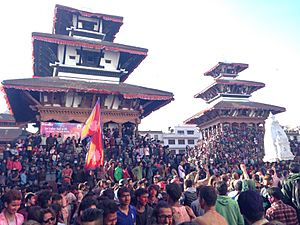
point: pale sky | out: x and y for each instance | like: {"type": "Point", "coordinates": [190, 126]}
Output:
{"type": "Point", "coordinates": [185, 39]}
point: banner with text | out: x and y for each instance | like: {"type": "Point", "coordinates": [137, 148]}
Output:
{"type": "Point", "coordinates": [65, 129]}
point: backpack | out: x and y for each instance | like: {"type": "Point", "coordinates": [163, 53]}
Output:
{"type": "Point", "coordinates": [296, 193]}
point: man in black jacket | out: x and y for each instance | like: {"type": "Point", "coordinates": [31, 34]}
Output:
{"type": "Point", "coordinates": [143, 210]}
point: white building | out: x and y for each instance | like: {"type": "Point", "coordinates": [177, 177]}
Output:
{"type": "Point", "coordinates": [155, 135]}
{"type": "Point", "coordinates": [178, 138]}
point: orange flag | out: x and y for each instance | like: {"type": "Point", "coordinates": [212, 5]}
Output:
{"type": "Point", "coordinates": [92, 134]}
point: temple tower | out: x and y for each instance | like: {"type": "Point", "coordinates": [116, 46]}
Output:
{"type": "Point", "coordinates": [74, 66]}
{"type": "Point", "coordinates": [230, 110]}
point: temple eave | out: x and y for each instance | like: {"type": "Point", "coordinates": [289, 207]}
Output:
{"type": "Point", "coordinates": [62, 114]}
{"type": "Point", "coordinates": [235, 111]}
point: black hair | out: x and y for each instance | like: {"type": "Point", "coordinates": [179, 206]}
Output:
{"type": "Point", "coordinates": [251, 205]}
{"type": "Point", "coordinates": [275, 192]}
{"type": "Point", "coordinates": [47, 210]}
{"type": "Point", "coordinates": [209, 195]}
{"type": "Point", "coordinates": [57, 209]}
{"type": "Point", "coordinates": [11, 195]}
{"type": "Point", "coordinates": [109, 193]}
{"type": "Point", "coordinates": [62, 189]}
{"type": "Point", "coordinates": [92, 214]}
{"type": "Point", "coordinates": [153, 186]}
{"type": "Point", "coordinates": [174, 191]}
{"type": "Point", "coordinates": [56, 197]}
{"type": "Point", "coordinates": [28, 196]}
{"type": "Point", "coordinates": [86, 203]}
{"type": "Point", "coordinates": [34, 213]}
{"type": "Point", "coordinates": [141, 191]}
{"type": "Point", "coordinates": [188, 183]}
{"type": "Point", "coordinates": [294, 167]}
{"type": "Point", "coordinates": [238, 185]}
{"type": "Point", "coordinates": [222, 187]}
{"type": "Point", "coordinates": [122, 190]}
{"type": "Point", "coordinates": [256, 177]}
{"type": "Point", "coordinates": [161, 204]}
{"type": "Point", "coordinates": [108, 206]}
{"type": "Point", "coordinates": [43, 197]}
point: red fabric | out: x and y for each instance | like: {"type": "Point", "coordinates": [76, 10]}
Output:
{"type": "Point", "coordinates": [283, 213]}
{"type": "Point", "coordinates": [92, 130]}
{"type": "Point", "coordinates": [9, 164]}
{"type": "Point", "coordinates": [125, 174]}
{"type": "Point", "coordinates": [17, 165]}
{"type": "Point", "coordinates": [67, 174]}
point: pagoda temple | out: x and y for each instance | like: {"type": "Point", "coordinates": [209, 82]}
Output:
{"type": "Point", "coordinates": [229, 107]}
{"type": "Point", "coordinates": [74, 66]}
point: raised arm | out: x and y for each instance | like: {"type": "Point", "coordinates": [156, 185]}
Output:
{"type": "Point", "coordinates": [244, 170]}
{"type": "Point", "coordinates": [206, 179]}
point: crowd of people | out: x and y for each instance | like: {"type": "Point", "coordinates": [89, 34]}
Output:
{"type": "Point", "coordinates": [221, 180]}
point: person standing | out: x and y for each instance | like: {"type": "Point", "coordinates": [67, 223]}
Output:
{"type": "Point", "coordinates": [180, 213]}
{"type": "Point", "coordinates": [138, 171]}
{"type": "Point", "coordinates": [67, 174]}
{"type": "Point", "coordinates": [30, 200]}
{"type": "Point", "coordinates": [12, 201]}
{"type": "Point", "coordinates": [181, 171]}
{"type": "Point", "coordinates": [92, 216]}
{"type": "Point", "coordinates": [207, 201]}
{"type": "Point", "coordinates": [126, 215]}
{"type": "Point", "coordinates": [163, 214]}
{"type": "Point", "coordinates": [143, 210]}
{"type": "Point", "coordinates": [278, 210]}
{"type": "Point", "coordinates": [291, 186]}
{"type": "Point", "coordinates": [118, 173]}
{"type": "Point", "coordinates": [228, 207]}
{"type": "Point", "coordinates": [251, 207]}
{"type": "Point", "coordinates": [110, 209]}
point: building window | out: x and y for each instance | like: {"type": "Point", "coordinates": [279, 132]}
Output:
{"type": "Point", "coordinates": [108, 61]}
{"type": "Point", "coordinates": [156, 137]}
{"type": "Point", "coordinates": [89, 58]}
{"type": "Point", "coordinates": [181, 142]}
{"type": "Point", "coordinates": [190, 132]}
{"type": "Point", "coordinates": [88, 25]}
{"type": "Point", "coordinates": [180, 132]}
{"type": "Point", "coordinates": [171, 142]}
{"type": "Point", "coordinates": [191, 142]}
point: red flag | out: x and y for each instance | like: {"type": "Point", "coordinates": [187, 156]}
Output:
{"type": "Point", "coordinates": [92, 133]}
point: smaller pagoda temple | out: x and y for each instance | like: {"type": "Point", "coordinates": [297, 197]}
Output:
{"type": "Point", "coordinates": [9, 130]}
{"type": "Point", "coordinates": [229, 104]}
{"type": "Point", "coordinates": [74, 66]}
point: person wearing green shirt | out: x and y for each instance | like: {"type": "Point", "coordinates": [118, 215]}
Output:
{"type": "Point", "coordinates": [118, 173]}
{"type": "Point", "coordinates": [138, 171]}
{"type": "Point", "coordinates": [228, 207]}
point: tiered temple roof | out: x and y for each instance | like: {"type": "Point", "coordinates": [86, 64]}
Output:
{"type": "Point", "coordinates": [63, 21]}
{"type": "Point", "coordinates": [75, 65]}
{"type": "Point", "coordinates": [228, 98]}
{"type": "Point", "coordinates": [45, 47]}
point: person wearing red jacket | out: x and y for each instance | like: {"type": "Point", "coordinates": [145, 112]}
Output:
{"type": "Point", "coordinates": [17, 164]}
{"type": "Point", "coordinates": [9, 164]}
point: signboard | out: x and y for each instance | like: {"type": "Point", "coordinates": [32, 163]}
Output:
{"type": "Point", "coordinates": [65, 129]}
